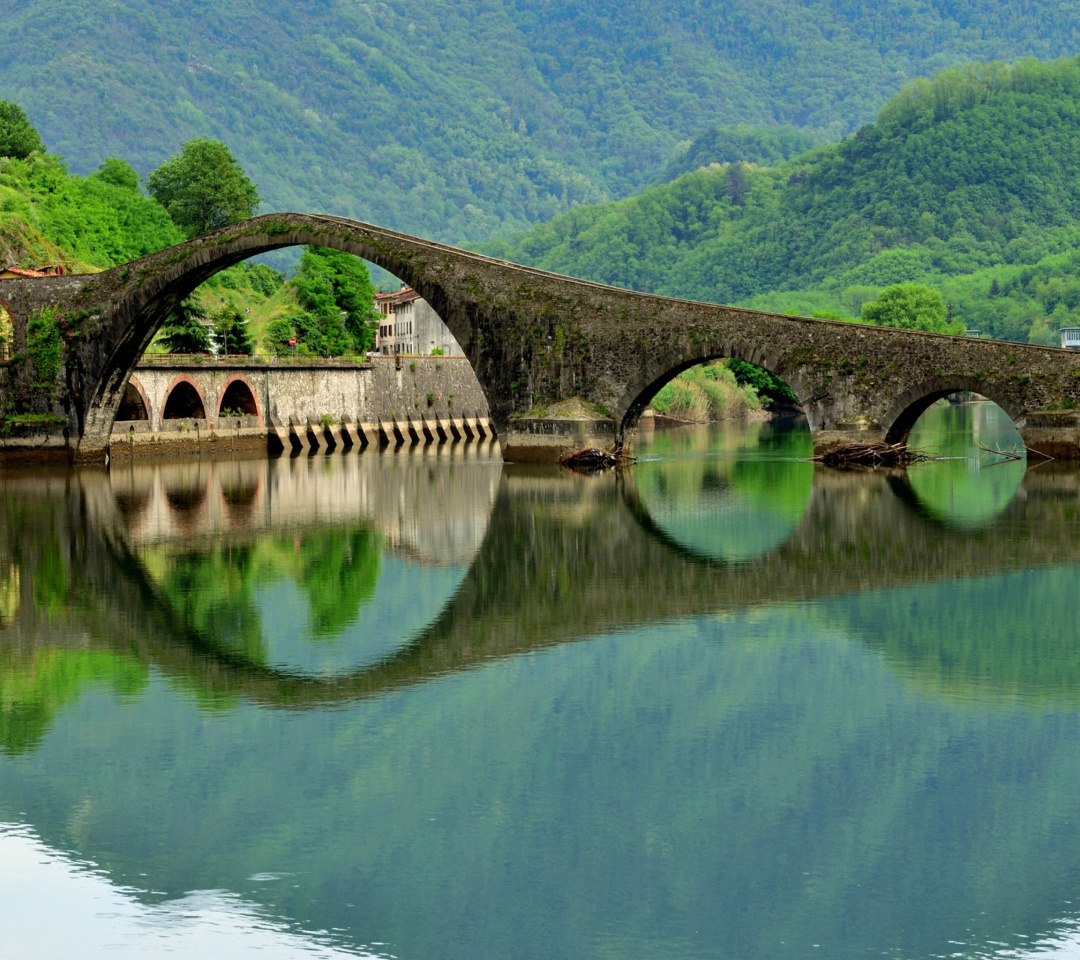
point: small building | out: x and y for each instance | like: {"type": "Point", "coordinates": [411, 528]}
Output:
{"type": "Point", "coordinates": [407, 324]}
{"type": "Point", "coordinates": [11, 273]}
{"type": "Point", "coordinates": [1070, 338]}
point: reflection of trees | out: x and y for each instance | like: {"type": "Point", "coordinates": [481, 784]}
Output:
{"type": "Point", "coordinates": [1008, 637]}
{"type": "Point", "coordinates": [563, 559]}
{"type": "Point", "coordinates": [211, 587]}
{"type": "Point", "coordinates": [726, 507]}
{"type": "Point", "coordinates": [35, 684]}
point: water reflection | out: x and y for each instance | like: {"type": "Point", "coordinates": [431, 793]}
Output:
{"type": "Point", "coordinates": [567, 721]}
{"type": "Point", "coordinates": [727, 495]}
{"type": "Point", "coordinates": [972, 486]}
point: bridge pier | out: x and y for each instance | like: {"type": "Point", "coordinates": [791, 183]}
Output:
{"type": "Point", "coordinates": [1052, 433]}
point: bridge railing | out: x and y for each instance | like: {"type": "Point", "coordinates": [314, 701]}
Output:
{"type": "Point", "coordinates": [242, 360]}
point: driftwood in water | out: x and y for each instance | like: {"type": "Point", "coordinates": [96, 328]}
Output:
{"type": "Point", "coordinates": [870, 454]}
{"type": "Point", "coordinates": [592, 458]}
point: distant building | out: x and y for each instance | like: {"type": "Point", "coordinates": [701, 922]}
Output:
{"type": "Point", "coordinates": [407, 324]}
{"type": "Point", "coordinates": [1070, 337]}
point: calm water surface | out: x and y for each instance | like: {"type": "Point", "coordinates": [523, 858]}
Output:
{"type": "Point", "coordinates": [723, 704]}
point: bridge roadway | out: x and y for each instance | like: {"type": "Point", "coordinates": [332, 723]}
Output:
{"type": "Point", "coordinates": [560, 559]}
{"type": "Point", "coordinates": [535, 339]}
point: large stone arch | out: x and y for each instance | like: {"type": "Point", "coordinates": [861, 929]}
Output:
{"type": "Point", "coordinates": [908, 406]}
{"type": "Point", "coordinates": [146, 291]}
{"type": "Point", "coordinates": [656, 373]}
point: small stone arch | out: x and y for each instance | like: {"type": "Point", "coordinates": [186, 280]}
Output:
{"type": "Point", "coordinates": [913, 402]}
{"type": "Point", "coordinates": [643, 387]}
{"type": "Point", "coordinates": [237, 393]}
{"type": "Point", "coordinates": [184, 400]}
{"type": "Point", "coordinates": [133, 405]}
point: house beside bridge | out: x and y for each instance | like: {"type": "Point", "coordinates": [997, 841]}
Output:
{"type": "Point", "coordinates": [408, 324]}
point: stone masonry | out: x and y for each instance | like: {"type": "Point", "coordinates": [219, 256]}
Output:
{"type": "Point", "coordinates": [534, 339]}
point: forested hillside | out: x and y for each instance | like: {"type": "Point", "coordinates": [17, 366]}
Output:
{"type": "Point", "coordinates": [969, 183]}
{"type": "Point", "coordinates": [464, 120]}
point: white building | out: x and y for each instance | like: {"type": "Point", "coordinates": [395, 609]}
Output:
{"type": "Point", "coordinates": [407, 324]}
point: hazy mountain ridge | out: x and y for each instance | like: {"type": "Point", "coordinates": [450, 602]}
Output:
{"type": "Point", "coordinates": [464, 121]}
{"type": "Point", "coordinates": [971, 179]}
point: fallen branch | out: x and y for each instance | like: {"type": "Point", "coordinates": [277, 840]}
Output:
{"type": "Point", "coordinates": [870, 454]}
{"type": "Point", "coordinates": [1006, 454]}
{"type": "Point", "coordinates": [592, 458]}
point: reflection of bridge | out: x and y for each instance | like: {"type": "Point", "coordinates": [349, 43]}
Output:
{"type": "Point", "coordinates": [428, 513]}
{"type": "Point", "coordinates": [535, 338]}
{"type": "Point", "coordinates": [562, 559]}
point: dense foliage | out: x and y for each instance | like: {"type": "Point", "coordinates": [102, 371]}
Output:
{"type": "Point", "coordinates": [909, 306]}
{"type": "Point", "coordinates": [186, 330]}
{"type": "Point", "coordinates": [706, 392]}
{"type": "Point", "coordinates": [741, 143]}
{"type": "Point", "coordinates": [461, 120]}
{"type": "Point", "coordinates": [969, 184]}
{"type": "Point", "coordinates": [18, 138]}
{"type": "Point", "coordinates": [203, 188]}
{"type": "Point", "coordinates": [48, 215]}
{"type": "Point", "coordinates": [327, 307]}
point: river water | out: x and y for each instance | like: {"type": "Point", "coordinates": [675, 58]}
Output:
{"type": "Point", "coordinates": [721, 704]}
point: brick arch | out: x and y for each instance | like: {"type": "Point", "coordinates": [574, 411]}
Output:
{"type": "Point", "coordinates": [185, 379]}
{"type": "Point", "coordinates": [229, 381]}
{"type": "Point", "coordinates": [133, 382]}
{"type": "Point", "coordinates": [913, 402]}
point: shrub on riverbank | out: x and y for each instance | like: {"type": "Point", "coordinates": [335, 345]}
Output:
{"type": "Point", "coordinates": [706, 392]}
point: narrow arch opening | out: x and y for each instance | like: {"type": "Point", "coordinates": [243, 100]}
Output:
{"type": "Point", "coordinates": [238, 400]}
{"type": "Point", "coordinates": [980, 460]}
{"type": "Point", "coordinates": [132, 406]}
{"type": "Point", "coordinates": [184, 403]}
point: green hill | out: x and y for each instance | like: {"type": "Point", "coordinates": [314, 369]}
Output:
{"type": "Point", "coordinates": [969, 183]}
{"type": "Point", "coordinates": [463, 120]}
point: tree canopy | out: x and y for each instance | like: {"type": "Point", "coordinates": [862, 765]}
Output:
{"type": "Point", "coordinates": [965, 179]}
{"type": "Point", "coordinates": [203, 188]}
{"type": "Point", "coordinates": [909, 306]}
{"type": "Point", "coordinates": [465, 121]}
{"type": "Point", "coordinates": [335, 290]}
{"type": "Point", "coordinates": [186, 331]}
{"type": "Point", "coordinates": [18, 138]}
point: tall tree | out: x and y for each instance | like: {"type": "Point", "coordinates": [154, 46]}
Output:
{"type": "Point", "coordinates": [204, 188]}
{"type": "Point", "coordinates": [909, 306]}
{"type": "Point", "coordinates": [18, 138]}
{"type": "Point", "coordinates": [231, 332]}
{"type": "Point", "coordinates": [335, 288]}
{"type": "Point", "coordinates": [185, 331]}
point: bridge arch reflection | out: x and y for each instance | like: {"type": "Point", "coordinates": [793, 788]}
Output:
{"type": "Point", "coordinates": [735, 505]}
{"type": "Point", "coordinates": [539, 559]}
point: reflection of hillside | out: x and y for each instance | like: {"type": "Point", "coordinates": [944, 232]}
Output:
{"type": "Point", "coordinates": [564, 558]}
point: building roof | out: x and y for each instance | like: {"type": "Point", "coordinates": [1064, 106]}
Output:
{"type": "Point", "coordinates": [51, 271]}
{"type": "Point", "coordinates": [404, 295]}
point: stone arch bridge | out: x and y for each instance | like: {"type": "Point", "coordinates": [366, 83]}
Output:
{"type": "Point", "coordinates": [533, 339]}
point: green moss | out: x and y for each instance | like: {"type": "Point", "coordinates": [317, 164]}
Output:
{"type": "Point", "coordinates": [44, 346]}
